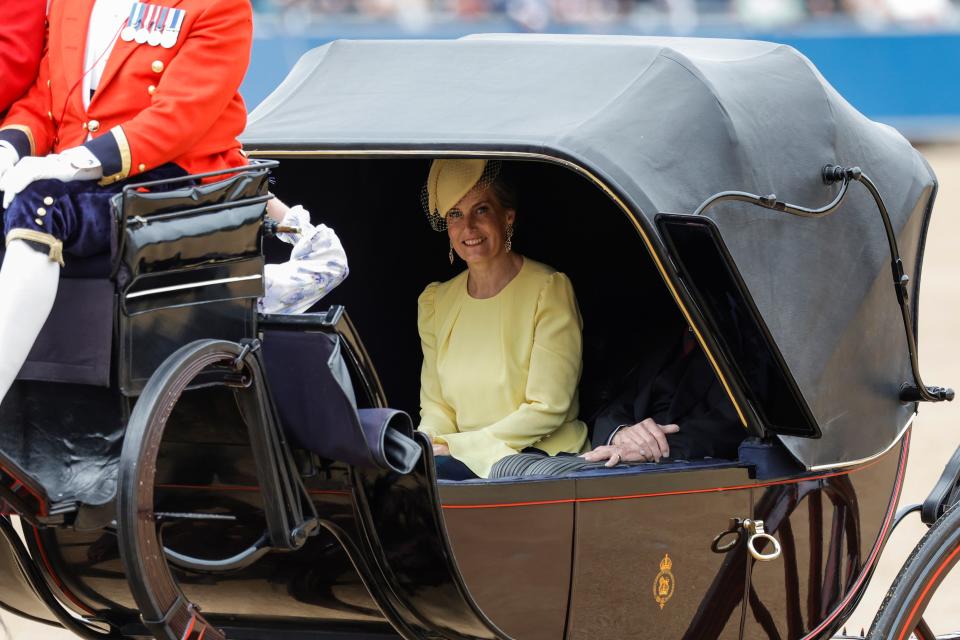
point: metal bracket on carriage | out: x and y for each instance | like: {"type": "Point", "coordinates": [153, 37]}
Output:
{"type": "Point", "coordinates": [271, 228]}
{"type": "Point", "coordinates": [182, 515]}
{"type": "Point", "coordinates": [757, 538]}
{"type": "Point", "coordinates": [249, 346]}
{"type": "Point", "coordinates": [912, 393]}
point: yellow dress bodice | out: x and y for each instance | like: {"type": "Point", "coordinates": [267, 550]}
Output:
{"type": "Point", "coordinates": [500, 374]}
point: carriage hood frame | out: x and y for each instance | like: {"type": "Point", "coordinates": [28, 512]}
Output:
{"type": "Point", "coordinates": [662, 124]}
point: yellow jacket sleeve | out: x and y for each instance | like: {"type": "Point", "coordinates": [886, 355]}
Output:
{"type": "Point", "coordinates": [555, 365]}
{"type": "Point", "coordinates": [436, 416]}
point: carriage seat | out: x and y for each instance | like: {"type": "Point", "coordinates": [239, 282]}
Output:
{"type": "Point", "coordinates": [83, 314]}
{"type": "Point", "coordinates": [92, 267]}
{"type": "Point", "coordinates": [526, 467]}
{"type": "Point", "coordinates": [96, 267]}
{"type": "Point", "coordinates": [764, 460]}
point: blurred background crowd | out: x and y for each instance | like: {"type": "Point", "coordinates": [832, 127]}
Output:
{"type": "Point", "coordinates": [676, 16]}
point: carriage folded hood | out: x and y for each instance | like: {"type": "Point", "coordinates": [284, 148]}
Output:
{"type": "Point", "coordinates": [665, 123]}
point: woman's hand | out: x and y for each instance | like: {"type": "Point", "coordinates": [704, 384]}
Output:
{"type": "Point", "coordinates": [276, 209]}
{"type": "Point", "coordinates": [613, 455]}
{"type": "Point", "coordinates": [440, 449]}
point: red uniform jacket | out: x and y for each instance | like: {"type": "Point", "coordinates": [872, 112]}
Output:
{"type": "Point", "coordinates": [154, 105]}
{"type": "Point", "coordinates": [21, 43]}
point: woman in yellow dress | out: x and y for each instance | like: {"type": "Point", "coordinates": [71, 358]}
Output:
{"type": "Point", "coordinates": [501, 341]}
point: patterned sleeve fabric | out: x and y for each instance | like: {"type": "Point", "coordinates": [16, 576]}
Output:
{"type": "Point", "coordinates": [316, 266]}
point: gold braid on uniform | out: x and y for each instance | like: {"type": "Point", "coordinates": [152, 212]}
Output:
{"type": "Point", "coordinates": [56, 246]}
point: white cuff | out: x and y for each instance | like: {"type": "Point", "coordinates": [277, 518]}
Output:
{"type": "Point", "coordinates": [87, 165]}
{"type": "Point", "coordinates": [13, 151]}
{"type": "Point", "coordinates": [296, 217]}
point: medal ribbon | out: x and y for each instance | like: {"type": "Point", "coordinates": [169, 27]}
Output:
{"type": "Point", "coordinates": [133, 14]}
{"type": "Point", "coordinates": [151, 17]}
{"type": "Point", "coordinates": [177, 19]}
{"type": "Point", "coordinates": [141, 10]}
{"type": "Point", "coordinates": [162, 20]}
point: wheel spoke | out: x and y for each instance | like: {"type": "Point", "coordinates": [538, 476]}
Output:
{"type": "Point", "coordinates": [923, 631]}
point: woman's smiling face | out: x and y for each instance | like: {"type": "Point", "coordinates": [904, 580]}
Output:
{"type": "Point", "coordinates": [477, 226]}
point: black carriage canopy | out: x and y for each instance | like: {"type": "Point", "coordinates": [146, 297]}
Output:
{"type": "Point", "coordinates": [664, 123]}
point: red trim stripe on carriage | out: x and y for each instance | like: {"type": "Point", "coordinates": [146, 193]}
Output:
{"type": "Point", "coordinates": [881, 540]}
{"type": "Point", "coordinates": [53, 576]}
{"type": "Point", "coordinates": [42, 503]}
{"type": "Point", "coordinates": [226, 488]}
{"type": "Point", "coordinates": [193, 622]}
{"type": "Point", "coordinates": [926, 589]}
{"type": "Point", "coordinates": [679, 492]}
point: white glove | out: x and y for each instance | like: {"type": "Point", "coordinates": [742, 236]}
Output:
{"type": "Point", "coordinates": [73, 164]}
{"type": "Point", "coordinates": [8, 158]}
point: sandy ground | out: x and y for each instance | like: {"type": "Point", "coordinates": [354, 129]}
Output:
{"type": "Point", "coordinates": [936, 431]}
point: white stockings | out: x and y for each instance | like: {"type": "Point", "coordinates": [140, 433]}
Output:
{"type": "Point", "coordinates": [28, 287]}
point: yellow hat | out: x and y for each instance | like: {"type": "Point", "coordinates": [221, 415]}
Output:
{"type": "Point", "coordinates": [449, 181]}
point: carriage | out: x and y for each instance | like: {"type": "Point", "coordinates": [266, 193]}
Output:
{"type": "Point", "coordinates": [183, 467]}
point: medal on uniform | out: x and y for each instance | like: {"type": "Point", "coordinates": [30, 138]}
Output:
{"type": "Point", "coordinates": [130, 31]}
{"type": "Point", "coordinates": [171, 31]}
{"type": "Point", "coordinates": [142, 32]}
{"type": "Point", "coordinates": [156, 29]}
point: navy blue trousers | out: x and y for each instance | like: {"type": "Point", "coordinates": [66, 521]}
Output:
{"type": "Point", "coordinates": [449, 468]}
{"type": "Point", "coordinates": [76, 213]}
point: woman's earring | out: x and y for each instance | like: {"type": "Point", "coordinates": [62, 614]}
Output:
{"type": "Point", "coordinates": [450, 255]}
{"type": "Point", "coordinates": [508, 245]}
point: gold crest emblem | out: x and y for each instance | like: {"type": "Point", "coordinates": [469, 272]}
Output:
{"type": "Point", "coordinates": [664, 583]}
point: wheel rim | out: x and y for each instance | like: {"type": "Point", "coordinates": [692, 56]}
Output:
{"type": "Point", "coordinates": [914, 622]}
{"type": "Point", "coordinates": [164, 608]}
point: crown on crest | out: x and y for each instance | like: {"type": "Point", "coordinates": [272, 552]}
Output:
{"type": "Point", "coordinates": [666, 564]}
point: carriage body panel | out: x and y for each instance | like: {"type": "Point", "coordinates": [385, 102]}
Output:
{"type": "Point", "coordinates": [539, 558]}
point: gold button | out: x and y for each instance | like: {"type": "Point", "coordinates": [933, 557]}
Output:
{"type": "Point", "coordinates": [50, 113]}
{"type": "Point", "coordinates": [48, 84]}
{"type": "Point", "coordinates": [151, 89]}
{"type": "Point", "coordinates": [48, 200]}
{"type": "Point", "coordinates": [39, 222]}
{"type": "Point", "coordinates": [94, 126]}
{"type": "Point", "coordinates": [142, 167]}
{"type": "Point", "coordinates": [41, 212]}
{"type": "Point", "coordinates": [84, 125]}
{"type": "Point", "coordinates": [157, 66]}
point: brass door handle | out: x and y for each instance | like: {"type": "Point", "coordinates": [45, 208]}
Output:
{"type": "Point", "coordinates": [755, 530]}
{"type": "Point", "coordinates": [727, 540]}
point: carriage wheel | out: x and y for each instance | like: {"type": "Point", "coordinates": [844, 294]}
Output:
{"type": "Point", "coordinates": [163, 607]}
{"type": "Point", "coordinates": [937, 553]}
